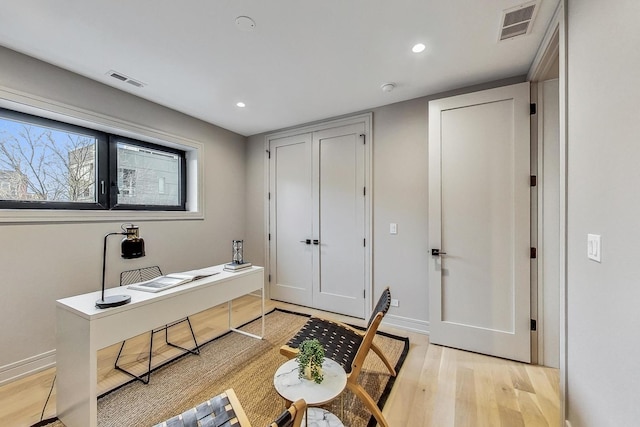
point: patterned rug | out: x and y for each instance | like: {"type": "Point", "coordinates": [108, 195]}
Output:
{"type": "Point", "coordinates": [247, 365]}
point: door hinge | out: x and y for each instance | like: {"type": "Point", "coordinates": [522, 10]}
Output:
{"type": "Point", "coordinates": [534, 253]}
{"type": "Point", "coordinates": [534, 325]}
{"type": "Point", "coordinates": [269, 279]}
{"type": "Point", "coordinates": [533, 181]}
{"type": "Point", "coordinates": [533, 109]}
{"type": "Point", "coordinates": [364, 293]}
{"type": "Point", "coordinates": [364, 242]}
{"type": "Point", "coordinates": [364, 138]}
{"type": "Point", "coordinates": [364, 191]}
{"type": "Point", "coordinates": [268, 153]}
{"type": "Point", "coordinates": [269, 236]}
{"type": "Point", "coordinates": [269, 195]}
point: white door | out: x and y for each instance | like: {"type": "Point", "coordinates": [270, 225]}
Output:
{"type": "Point", "coordinates": [291, 229]}
{"type": "Point", "coordinates": [479, 215]}
{"type": "Point", "coordinates": [339, 213]}
{"type": "Point", "coordinates": [317, 219]}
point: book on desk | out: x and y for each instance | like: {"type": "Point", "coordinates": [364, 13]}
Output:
{"type": "Point", "coordinates": [172, 280]}
{"type": "Point", "coordinates": [234, 267]}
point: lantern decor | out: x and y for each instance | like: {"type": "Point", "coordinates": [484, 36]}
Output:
{"type": "Point", "coordinates": [237, 259]}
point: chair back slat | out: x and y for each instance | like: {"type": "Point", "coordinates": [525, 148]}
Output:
{"type": "Point", "coordinates": [384, 302]}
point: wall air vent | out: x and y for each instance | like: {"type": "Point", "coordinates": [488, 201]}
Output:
{"type": "Point", "coordinates": [517, 21]}
{"type": "Point", "coordinates": [123, 78]}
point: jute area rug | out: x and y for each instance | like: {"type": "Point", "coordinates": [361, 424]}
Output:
{"type": "Point", "coordinates": [247, 365]}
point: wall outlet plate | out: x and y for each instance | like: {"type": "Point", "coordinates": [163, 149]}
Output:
{"type": "Point", "coordinates": [395, 303]}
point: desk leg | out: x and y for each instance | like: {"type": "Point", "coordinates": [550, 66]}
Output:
{"type": "Point", "coordinates": [230, 308]}
{"type": "Point", "coordinates": [76, 370]}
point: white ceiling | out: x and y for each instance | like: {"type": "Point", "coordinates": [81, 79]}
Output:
{"type": "Point", "coordinates": [304, 61]}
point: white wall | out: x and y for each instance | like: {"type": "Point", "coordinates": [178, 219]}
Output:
{"type": "Point", "coordinates": [42, 262]}
{"type": "Point", "coordinates": [603, 299]}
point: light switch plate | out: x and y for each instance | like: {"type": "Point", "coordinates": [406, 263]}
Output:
{"type": "Point", "coordinates": [593, 247]}
{"type": "Point", "coordinates": [393, 228]}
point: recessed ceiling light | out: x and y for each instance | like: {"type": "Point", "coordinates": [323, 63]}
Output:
{"type": "Point", "coordinates": [244, 23]}
{"type": "Point", "coordinates": [388, 87]}
{"type": "Point", "coordinates": [241, 104]}
{"type": "Point", "coordinates": [418, 48]}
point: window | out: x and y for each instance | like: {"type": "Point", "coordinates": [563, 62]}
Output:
{"type": "Point", "coordinates": [148, 176]}
{"type": "Point", "coordinates": [46, 164]}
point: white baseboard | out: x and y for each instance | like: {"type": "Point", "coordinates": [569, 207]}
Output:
{"type": "Point", "coordinates": [406, 323]}
{"type": "Point", "coordinates": [26, 367]}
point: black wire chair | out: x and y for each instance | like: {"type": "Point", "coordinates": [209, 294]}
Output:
{"type": "Point", "coordinates": [141, 275]}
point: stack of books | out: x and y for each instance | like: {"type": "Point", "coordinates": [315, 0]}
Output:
{"type": "Point", "coordinates": [234, 267]}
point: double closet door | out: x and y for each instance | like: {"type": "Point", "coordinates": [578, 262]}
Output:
{"type": "Point", "coordinates": [318, 226]}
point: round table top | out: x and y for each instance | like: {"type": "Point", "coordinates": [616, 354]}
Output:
{"type": "Point", "coordinates": [318, 417]}
{"type": "Point", "coordinates": [292, 388]}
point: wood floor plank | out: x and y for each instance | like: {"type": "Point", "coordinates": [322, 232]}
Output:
{"type": "Point", "coordinates": [466, 409]}
{"type": "Point", "coordinates": [531, 412]}
{"type": "Point", "coordinates": [445, 399]}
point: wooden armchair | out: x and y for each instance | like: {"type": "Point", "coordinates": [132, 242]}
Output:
{"type": "Point", "coordinates": [291, 417]}
{"type": "Point", "coordinates": [225, 410]}
{"type": "Point", "coordinates": [347, 346]}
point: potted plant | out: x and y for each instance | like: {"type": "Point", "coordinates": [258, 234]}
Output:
{"type": "Point", "coordinates": [310, 357]}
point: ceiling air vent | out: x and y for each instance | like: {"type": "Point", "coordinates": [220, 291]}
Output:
{"type": "Point", "coordinates": [123, 78]}
{"type": "Point", "coordinates": [518, 20]}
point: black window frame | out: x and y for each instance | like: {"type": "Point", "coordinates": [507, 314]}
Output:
{"type": "Point", "coordinates": [113, 175]}
{"type": "Point", "coordinates": [106, 175]}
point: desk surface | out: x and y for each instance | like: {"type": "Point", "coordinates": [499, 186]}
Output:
{"type": "Point", "coordinates": [85, 305]}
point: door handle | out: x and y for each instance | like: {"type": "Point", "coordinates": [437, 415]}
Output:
{"type": "Point", "coordinates": [437, 252]}
{"type": "Point", "coordinates": [308, 241]}
{"type": "Point", "coordinates": [316, 242]}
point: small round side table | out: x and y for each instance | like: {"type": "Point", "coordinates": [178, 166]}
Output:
{"type": "Point", "coordinates": [292, 388]}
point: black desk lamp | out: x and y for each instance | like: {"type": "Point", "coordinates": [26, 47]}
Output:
{"type": "Point", "coordinates": [132, 246]}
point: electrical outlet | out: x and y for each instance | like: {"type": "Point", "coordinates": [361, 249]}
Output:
{"type": "Point", "coordinates": [395, 303]}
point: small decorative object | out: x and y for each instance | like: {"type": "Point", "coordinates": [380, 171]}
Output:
{"type": "Point", "coordinates": [237, 257]}
{"type": "Point", "coordinates": [310, 358]}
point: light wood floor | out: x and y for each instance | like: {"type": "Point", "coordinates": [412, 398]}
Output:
{"type": "Point", "coordinates": [437, 386]}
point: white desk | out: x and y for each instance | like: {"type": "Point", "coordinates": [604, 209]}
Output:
{"type": "Point", "coordinates": [83, 329]}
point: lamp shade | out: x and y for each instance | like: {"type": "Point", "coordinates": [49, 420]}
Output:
{"type": "Point", "coordinates": [132, 245]}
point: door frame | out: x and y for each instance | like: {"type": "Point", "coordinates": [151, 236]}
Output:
{"type": "Point", "coordinates": [548, 48]}
{"type": "Point", "coordinates": [367, 119]}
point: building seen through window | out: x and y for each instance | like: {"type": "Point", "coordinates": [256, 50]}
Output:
{"type": "Point", "coordinates": [147, 176]}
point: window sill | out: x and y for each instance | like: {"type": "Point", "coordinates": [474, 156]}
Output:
{"type": "Point", "coordinates": [28, 216]}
